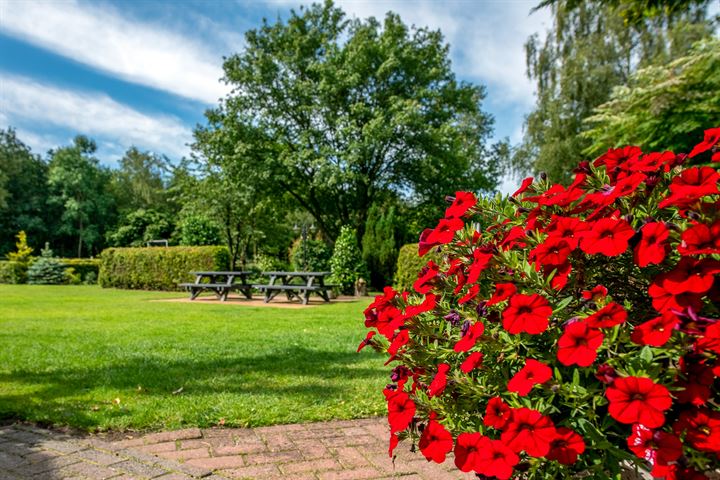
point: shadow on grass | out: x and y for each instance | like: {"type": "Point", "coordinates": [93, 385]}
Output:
{"type": "Point", "coordinates": [292, 376]}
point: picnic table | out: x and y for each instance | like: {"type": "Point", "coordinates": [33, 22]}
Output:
{"type": "Point", "coordinates": [295, 285]}
{"type": "Point", "coordinates": [220, 283]}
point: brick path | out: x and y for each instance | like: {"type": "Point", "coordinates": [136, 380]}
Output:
{"type": "Point", "coordinates": [320, 451]}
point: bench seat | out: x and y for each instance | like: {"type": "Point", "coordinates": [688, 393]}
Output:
{"type": "Point", "coordinates": [301, 292]}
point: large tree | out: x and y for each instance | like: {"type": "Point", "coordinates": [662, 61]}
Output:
{"type": "Point", "coordinates": [139, 181]}
{"type": "Point", "coordinates": [335, 113]}
{"type": "Point", "coordinates": [23, 193]}
{"type": "Point", "coordinates": [593, 46]}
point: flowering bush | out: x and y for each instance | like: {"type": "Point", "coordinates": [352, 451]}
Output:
{"type": "Point", "coordinates": [567, 330]}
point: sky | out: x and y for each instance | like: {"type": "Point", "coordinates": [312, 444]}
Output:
{"type": "Point", "coordinates": [143, 72]}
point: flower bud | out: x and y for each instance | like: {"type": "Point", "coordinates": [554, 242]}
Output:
{"type": "Point", "coordinates": [543, 176]}
{"type": "Point", "coordinates": [606, 374]}
{"type": "Point", "coordinates": [453, 317]}
{"type": "Point", "coordinates": [465, 327]}
{"type": "Point", "coordinates": [450, 199]}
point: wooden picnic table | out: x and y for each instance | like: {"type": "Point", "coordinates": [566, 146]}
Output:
{"type": "Point", "coordinates": [295, 285]}
{"type": "Point", "coordinates": [220, 283]}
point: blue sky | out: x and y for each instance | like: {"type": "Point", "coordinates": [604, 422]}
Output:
{"type": "Point", "coordinates": [143, 72]}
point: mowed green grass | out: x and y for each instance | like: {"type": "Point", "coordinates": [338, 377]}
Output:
{"type": "Point", "coordinates": [103, 359]}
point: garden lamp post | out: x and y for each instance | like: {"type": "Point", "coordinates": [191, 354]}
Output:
{"type": "Point", "coordinates": [304, 229]}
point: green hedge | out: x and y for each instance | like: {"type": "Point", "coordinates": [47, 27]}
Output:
{"type": "Point", "coordinates": [82, 267]}
{"type": "Point", "coordinates": [13, 272]}
{"type": "Point", "coordinates": [409, 265]}
{"type": "Point", "coordinates": [158, 268]}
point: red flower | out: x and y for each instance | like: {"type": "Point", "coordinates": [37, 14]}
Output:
{"type": "Point", "coordinates": [533, 373]}
{"type": "Point", "coordinates": [566, 447]}
{"type": "Point", "coordinates": [617, 156]}
{"type": "Point", "coordinates": [657, 447]}
{"type": "Point", "coordinates": [427, 304]}
{"type": "Point", "coordinates": [595, 294]}
{"type": "Point", "coordinates": [366, 342]}
{"type": "Point", "coordinates": [606, 374]}
{"type": "Point", "coordinates": [481, 260]}
{"type": "Point", "coordinates": [497, 413]}
{"type": "Point", "coordinates": [439, 382]}
{"type": "Point", "coordinates": [655, 332]}
{"type": "Point", "coordinates": [569, 229]}
{"type": "Point", "coordinates": [467, 451]}
{"type": "Point", "coordinates": [553, 251]}
{"type": "Point", "coordinates": [712, 136]}
{"type": "Point", "coordinates": [472, 362]}
{"type": "Point", "coordinates": [690, 185]}
{"type": "Point", "coordinates": [495, 459]}
{"type": "Point", "coordinates": [394, 440]}
{"type": "Point", "coordinates": [710, 339]}
{"type": "Point", "coordinates": [401, 409]}
{"type": "Point", "coordinates": [525, 185]}
{"type": "Point", "coordinates": [663, 300]}
{"type": "Point", "coordinates": [471, 293]}
{"type": "Point", "coordinates": [702, 427]}
{"type": "Point", "coordinates": [463, 202]}
{"type": "Point", "coordinates": [425, 245]}
{"type": "Point", "coordinates": [610, 315]}
{"type": "Point", "coordinates": [607, 236]}
{"type": "Point", "coordinates": [424, 283]}
{"type": "Point", "coordinates": [529, 430]}
{"type": "Point", "coordinates": [527, 313]}
{"type": "Point", "coordinates": [578, 344]}
{"type": "Point", "coordinates": [691, 275]}
{"type": "Point", "coordinates": [503, 291]}
{"type": "Point", "coordinates": [653, 244]}
{"type": "Point", "coordinates": [435, 442]}
{"type": "Point", "coordinates": [701, 239]}
{"type": "Point", "coordinates": [469, 339]}
{"type": "Point", "coordinates": [400, 340]}
{"type": "Point", "coordinates": [445, 231]}
{"type": "Point", "coordinates": [638, 400]}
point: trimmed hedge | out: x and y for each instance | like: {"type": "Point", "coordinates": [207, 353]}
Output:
{"type": "Point", "coordinates": [158, 268]}
{"type": "Point", "coordinates": [13, 272]}
{"type": "Point", "coordinates": [409, 264]}
{"type": "Point", "coordinates": [82, 266]}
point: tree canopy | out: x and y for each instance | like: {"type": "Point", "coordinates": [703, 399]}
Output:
{"type": "Point", "coordinates": [338, 114]}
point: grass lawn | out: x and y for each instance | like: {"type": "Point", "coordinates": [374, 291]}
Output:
{"type": "Point", "coordinates": [115, 360]}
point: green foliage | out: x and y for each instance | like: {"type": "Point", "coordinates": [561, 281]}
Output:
{"type": "Point", "coordinates": [269, 263]}
{"type": "Point", "coordinates": [663, 106]}
{"type": "Point", "coordinates": [46, 270]}
{"type": "Point", "coordinates": [379, 245]}
{"type": "Point", "coordinates": [347, 264]}
{"type": "Point", "coordinates": [23, 252]}
{"type": "Point", "coordinates": [139, 181]}
{"type": "Point", "coordinates": [316, 253]}
{"type": "Point", "coordinates": [13, 272]}
{"type": "Point", "coordinates": [140, 226]}
{"type": "Point", "coordinates": [86, 269]}
{"type": "Point", "coordinates": [158, 268]}
{"type": "Point", "coordinates": [197, 229]}
{"type": "Point", "coordinates": [590, 49]}
{"type": "Point", "coordinates": [409, 264]}
{"type": "Point", "coordinates": [335, 112]}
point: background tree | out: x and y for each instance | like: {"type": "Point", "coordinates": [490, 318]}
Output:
{"type": "Point", "coordinates": [139, 182]}
{"type": "Point", "coordinates": [380, 245]}
{"type": "Point", "coordinates": [662, 107]}
{"type": "Point", "coordinates": [592, 47]}
{"type": "Point", "coordinates": [81, 188]}
{"type": "Point", "coordinates": [23, 193]}
{"type": "Point", "coordinates": [336, 112]}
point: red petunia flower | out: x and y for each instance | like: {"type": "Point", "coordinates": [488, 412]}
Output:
{"type": "Point", "coordinates": [578, 344]}
{"type": "Point", "coordinates": [366, 342]}
{"type": "Point", "coordinates": [428, 303]}
{"type": "Point", "coordinates": [610, 315]}
{"type": "Point", "coordinates": [710, 340]}
{"type": "Point", "coordinates": [655, 332]}
{"type": "Point", "coordinates": [663, 300]}
{"type": "Point", "coordinates": [701, 427]}
{"type": "Point", "coordinates": [566, 446]}
{"type": "Point", "coordinates": [638, 400]}
{"type": "Point", "coordinates": [497, 413]}
{"type": "Point", "coordinates": [481, 260]}
{"type": "Point", "coordinates": [470, 338]}
{"type": "Point", "coordinates": [700, 239]}
{"type": "Point", "coordinates": [657, 447]}
{"type": "Point", "coordinates": [533, 373]}
{"type": "Point", "coordinates": [439, 382]}
{"type": "Point", "coordinates": [690, 185]}
{"type": "Point", "coordinates": [597, 293]}
{"type": "Point", "coordinates": [401, 409]}
{"type": "Point", "coordinates": [526, 313]}
{"type": "Point", "coordinates": [524, 186]}
{"type": "Point", "coordinates": [435, 442]}
{"type": "Point", "coordinates": [463, 202]}
{"type": "Point", "coordinates": [424, 283]}
{"type": "Point", "coordinates": [495, 459]}
{"type": "Point", "coordinates": [712, 136]}
{"type": "Point", "coordinates": [691, 275]}
{"type": "Point", "coordinates": [445, 231]}
{"type": "Point", "coordinates": [606, 374]}
{"type": "Point", "coordinates": [529, 430]}
{"type": "Point", "coordinates": [569, 229]}
{"type": "Point", "coordinates": [616, 157]}
{"type": "Point", "coordinates": [471, 293]}
{"type": "Point", "coordinates": [503, 291]}
{"type": "Point", "coordinates": [467, 451]}
{"type": "Point", "coordinates": [473, 361]}
{"type": "Point", "coordinates": [553, 251]}
{"type": "Point", "coordinates": [394, 440]}
{"type": "Point", "coordinates": [653, 245]}
{"type": "Point", "coordinates": [425, 245]}
{"type": "Point", "coordinates": [607, 236]}
{"type": "Point", "coordinates": [400, 340]}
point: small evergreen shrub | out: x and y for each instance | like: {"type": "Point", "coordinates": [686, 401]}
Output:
{"type": "Point", "coordinates": [24, 251]}
{"type": "Point", "coordinates": [346, 263]}
{"type": "Point", "coordinates": [46, 270]}
{"type": "Point", "coordinates": [158, 268]}
{"type": "Point", "coordinates": [13, 272]}
{"type": "Point", "coordinates": [380, 251]}
{"type": "Point", "coordinates": [318, 256]}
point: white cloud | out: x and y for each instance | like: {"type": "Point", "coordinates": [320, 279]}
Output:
{"type": "Point", "coordinates": [26, 102]}
{"type": "Point", "coordinates": [101, 37]}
